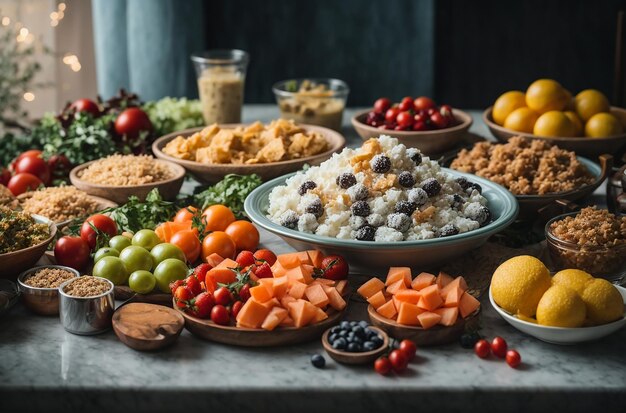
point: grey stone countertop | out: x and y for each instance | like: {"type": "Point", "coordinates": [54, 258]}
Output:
{"type": "Point", "coordinates": [42, 367]}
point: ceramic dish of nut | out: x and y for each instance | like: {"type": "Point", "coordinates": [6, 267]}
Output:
{"type": "Point", "coordinates": [210, 173]}
{"type": "Point", "coordinates": [590, 147]}
{"type": "Point", "coordinates": [429, 142]}
{"type": "Point", "coordinates": [561, 335]}
{"type": "Point", "coordinates": [44, 300]}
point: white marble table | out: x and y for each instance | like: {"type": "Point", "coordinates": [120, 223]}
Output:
{"type": "Point", "coordinates": [42, 367]}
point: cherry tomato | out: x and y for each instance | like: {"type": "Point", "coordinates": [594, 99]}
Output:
{"type": "Point", "coordinates": [513, 358]}
{"type": "Point", "coordinates": [59, 164]}
{"type": "Point", "coordinates": [103, 223]}
{"type": "Point", "coordinates": [219, 315]}
{"type": "Point", "coordinates": [23, 182]}
{"type": "Point", "coordinates": [399, 360]}
{"type": "Point", "coordinates": [499, 347]}
{"type": "Point", "coordinates": [382, 365]}
{"type": "Point", "coordinates": [72, 252]}
{"type": "Point", "coordinates": [420, 126]}
{"type": "Point", "coordinates": [132, 122]}
{"type": "Point", "coordinates": [245, 258]}
{"type": "Point", "coordinates": [404, 119]}
{"type": "Point", "coordinates": [381, 105]}
{"type": "Point", "coordinates": [265, 255]}
{"type": "Point", "coordinates": [244, 234]}
{"type": "Point", "coordinates": [181, 295]}
{"type": "Point", "coordinates": [446, 111]}
{"type": "Point", "coordinates": [185, 214]}
{"type": "Point", "coordinates": [409, 348]}
{"type": "Point", "coordinates": [86, 105]}
{"type": "Point", "coordinates": [5, 176]}
{"type": "Point", "coordinates": [335, 267]}
{"type": "Point", "coordinates": [220, 243]}
{"type": "Point", "coordinates": [222, 296]}
{"type": "Point", "coordinates": [217, 218]}
{"type": "Point", "coordinates": [406, 103]}
{"type": "Point", "coordinates": [187, 240]}
{"type": "Point", "coordinates": [32, 152]}
{"type": "Point", "coordinates": [482, 348]}
{"type": "Point", "coordinates": [244, 293]}
{"type": "Point", "coordinates": [438, 120]}
{"type": "Point", "coordinates": [34, 165]}
{"type": "Point", "coordinates": [391, 114]}
{"type": "Point", "coordinates": [423, 103]}
{"type": "Point", "coordinates": [234, 310]}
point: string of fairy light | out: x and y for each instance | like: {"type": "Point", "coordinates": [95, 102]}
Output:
{"type": "Point", "coordinates": [24, 36]}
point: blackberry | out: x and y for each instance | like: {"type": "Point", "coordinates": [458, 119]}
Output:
{"type": "Point", "coordinates": [406, 179]}
{"type": "Point", "coordinates": [399, 221]}
{"type": "Point", "coordinates": [380, 164]}
{"type": "Point", "coordinates": [346, 180]}
{"type": "Point", "coordinates": [418, 196]}
{"type": "Point", "coordinates": [431, 186]}
{"type": "Point", "coordinates": [448, 230]}
{"type": "Point", "coordinates": [457, 201]}
{"type": "Point", "coordinates": [315, 208]}
{"type": "Point", "coordinates": [306, 186]}
{"type": "Point", "coordinates": [415, 156]}
{"type": "Point", "coordinates": [366, 233]}
{"type": "Point", "coordinates": [464, 183]}
{"type": "Point", "coordinates": [357, 192]}
{"type": "Point", "coordinates": [360, 209]}
{"type": "Point", "coordinates": [289, 219]}
{"type": "Point", "coordinates": [405, 207]}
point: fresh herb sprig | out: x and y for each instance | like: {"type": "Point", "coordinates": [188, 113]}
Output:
{"type": "Point", "coordinates": [230, 191]}
{"type": "Point", "coordinates": [136, 215]}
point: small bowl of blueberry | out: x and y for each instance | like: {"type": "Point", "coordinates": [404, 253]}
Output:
{"type": "Point", "coordinates": [355, 342]}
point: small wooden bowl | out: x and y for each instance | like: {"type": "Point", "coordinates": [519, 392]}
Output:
{"type": "Point", "coordinates": [590, 147]}
{"type": "Point", "coordinates": [433, 336]}
{"type": "Point", "coordinates": [209, 174]}
{"type": "Point", "coordinates": [430, 142]}
{"type": "Point", "coordinates": [168, 188]}
{"type": "Point", "coordinates": [147, 327]}
{"type": "Point", "coordinates": [356, 358]}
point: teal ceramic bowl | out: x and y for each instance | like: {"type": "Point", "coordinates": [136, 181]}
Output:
{"type": "Point", "coordinates": [365, 255]}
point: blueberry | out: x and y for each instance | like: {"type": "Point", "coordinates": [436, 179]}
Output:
{"type": "Point", "coordinates": [343, 333]}
{"type": "Point", "coordinates": [354, 348]}
{"type": "Point", "coordinates": [468, 340]}
{"type": "Point", "coordinates": [346, 180]}
{"type": "Point", "coordinates": [406, 180]}
{"type": "Point", "coordinates": [358, 192]}
{"type": "Point", "coordinates": [357, 330]}
{"type": "Point", "coordinates": [478, 213]}
{"type": "Point", "coordinates": [380, 164]}
{"type": "Point", "coordinates": [448, 230]}
{"type": "Point", "coordinates": [364, 324]}
{"type": "Point", "coordinates": [405, 207]}
{"type": "Point", "coordinates": [332, 338]}
{"type": "Point", "coordinates": [353, 323]}
{"type": "Point", "coordinates": [369, 346]}
{"type": "Point", "coordinates": [315, 208]}
{"type": "Point", "coordinates": [344, 324]}
{"type": "Point", "coordinates": [318, 361]}
{"type": "Point", "coordinates": [360, 209]}
{"type": "Point", "coordinates": [335, 329]}
{"type": "Point", "coordinates": [377, 341]}
{"type": "Point", "coordinates": [431, 186]}
{"type": "Point", "coordinates": [340, 344]}
{"type": "Point", "coordinates": [357, 339]}
{"type": "Point", "coordinates": [306, 186]}
{"type": "Point", "coordinates": [366, 233]}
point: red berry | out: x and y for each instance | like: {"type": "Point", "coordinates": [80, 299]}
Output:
{"type": "Point", "coordinates": [420, 126]}
{"type": "Point", "coordinates": [482, 348]}
{"type": "Point", "coordinates": [245, 258]}
{"type": "Point", "coordinates": [381, 105]}
{"type": "Point", "coordinates": [446, 111]}
{"type": "Point", "coordinates": [219, 315]}
{"type": "Point", "coordinates": [513, 358]}
{"type": "Point", "coordinates": [382, 366]}
{"type": "Point", "coordinates": [234, 310]}
{"type": "Point", "coordinates": [175, 284]}
{"type": "Point", "coordinates": [439, 120]}
{"type": "Point", "coordinates": [201, 270]}
{"type": "Point", "coordinates": [409, 348]}
{"type": "Point", "coordinates": [406, 103]}
{"type": "Point", "coordinates": [265, 255]}
{"type": "Point", "coordinates": [423, 103]}
{"type": "Point", "coordinates": [244, 293]}
{"type": "Point", "coordinates": [404, 119]}
{"type": "Point", "coordinates": [399, 360]}
{"type": "Point", "coordinates": [203, 304]}
{"type": "Point", "coordinates": [499, 347]}
{"type": "Point", "coordinates": [391, 115]}
{"type": "Point", "coordinates": [222, 296]}
{"type": "Point", "coordinates": [263, 271]}
{"type": "Point", "coordinates": [193, 285]}
{"type": "Point", "coordinates": [335, 267]}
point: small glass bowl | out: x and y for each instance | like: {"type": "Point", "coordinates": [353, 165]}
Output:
{"type": "Point", "coordinates": [314, 107]}
{"type": "Point", "coordinates": [602, 262]}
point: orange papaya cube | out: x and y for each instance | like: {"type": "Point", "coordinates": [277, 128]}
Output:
{"type": "Point", "coordinates": [280, 285]}
{"type": "Point", "coordinates": [396, 287]}
{"type": "Point", "coordinates": [407, 314]}
{"type": "Point", "coordinates": [423, 280]}
{"type": "Point", "coordinates": [288, 261]}
{"type": "Point", "coordinates": [316, 295]}
{"type": "Point", "coordinates": [304, 258]}
{"type": "Point", "coordinates": [342, 287]}
{"type": "Point", "coordinates": [284, 302]}
{"type": "Point", "coordinates": [267, 283]}
{"type": "Point", "coordinates": [278, 270]}
{"type": "Point", "coordinates": [453, 298]}
{"type": "Point", "coordinates": [214, 259]}
{"type": "Point", "coordinates": [377, 299]}
{"type": "Point", "coordinates": [325, 281]}
{"type": "Point", "coordinates": [271, 303]}
{"type": "Point", "coordinates": [458, 282]}
{"type": "Point", "coordinates": [227, 263]}
{"type": "Point", "coordinates": [274, 318]}
{"type": "Point", "coordinates": [302, 312]}
{"type": "Point", "coordinates": [468, 304]}
{"type": "Point", "coordinates": [428, 319]}
{"type": "Point", "coordinates": [301, 274]}
{"type": "Point", "coordinates": [320, 315]}
{"type": "Point", "coordinates": [408, 296]}
{"type": "Point", "coordinates": [316, 258]}
{"type": "Point", "coordinates": [221, 275]}
{"type": "Point", "coordinates": [387, 310]}
{"type": "Point", "coordinates": [296, 290]}
{"type": "Point", "coordinates": [448, 315]}
{"type": "Point", "coordinates": [430, 299]}
{"type": "Point", "coordinates": [335, 300]}
{"type": "Point", "coordinates": [370, 288]}
{"type": "Point", "coordinates": [260, 293]}
{"type": "Point", "coordinates": [397, 303]}
{"type": "Point", "coordinates": [210, 285]}
{"type": "Point", "coordinates": [252, 314]}
{"type": "Point", "coordinates": [287, 322]}
{"type": "Point", "coordinates": [395, 272]}
{"type": "Point", "coordinates": [443, 279]}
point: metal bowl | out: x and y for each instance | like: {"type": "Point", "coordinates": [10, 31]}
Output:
{"type": "Point", "coordinates": [86, 315]}
{"type": "Point", "coordinates": [44, 301]}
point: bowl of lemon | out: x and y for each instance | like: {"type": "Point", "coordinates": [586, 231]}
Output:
{"type": "Point", "coordinates": [567, 308]}
{"type": "Point", "coordinates": [585, 123]}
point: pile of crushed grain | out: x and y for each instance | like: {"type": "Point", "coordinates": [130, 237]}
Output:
{"type": "Point", "coordinates": [126, 170]}
{"type": "Point", "coordinates": [48, 277]}
{"type": "Point", "coordinates": [59, 203]}
{"type": "Point", "coordinates": [87, 286]}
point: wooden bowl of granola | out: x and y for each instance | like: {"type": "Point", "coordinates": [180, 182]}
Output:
{"type": "Point", "coordinates": [209, 173]}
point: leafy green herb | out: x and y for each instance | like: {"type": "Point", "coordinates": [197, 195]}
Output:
{"type": "Point", "coordinates": [230, 191]}
{"type": "Point", "coordinates": [136, 215]}
{"type": "Point", "coordinates": [170, 114]}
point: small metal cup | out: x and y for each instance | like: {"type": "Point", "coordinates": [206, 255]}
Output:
{"type": "Point", "coordinates": [86, 315]}
{"type": "Point", "coordinates": [44, 301]}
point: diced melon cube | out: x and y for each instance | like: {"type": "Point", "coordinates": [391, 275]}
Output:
{"type": "Point", "coordinates": [284, 302]}
{"type": "Point", "coordinates": [304, 258]}
{"type": "Point", "coordinates": [302, 312]}
{"type": "Point", "coordinates": [300, 273]}
{"type": "Point", "coordinates": [408, 313]}
{"type": "Point", "coordinates": [430, 299]}
{"type": "Point", "coordinates": [443, 279]}
{"type": "Point", "coordinates": [453, 298]}
{"type": "Point", "coordinates": [399, 273]}
{"type": "Point", "coordinates": [271, 303]}
{"type": "Point", "coordinates": [287, 322]}
{"type": "Point", "coordinates": [289, 261]}
{"type": "Point", "coordinates": [320, 315]}
{"type": "Point", "coordinates": [408, 296]}
{"type": "Point", "coordinates": [227, 263]}
{"type": "Point", "coordinates": [297, 289]}
{"type": "Point", "coordinates": [278, 270]}
{"type": "Point", "coordinates": [260, 293]}
{"type": "Point", "coordinates": [423, 280]}
{"type": "Point", "coordinates": [458, 282]}
{"type": "Point", "coordinates": [396, 287]}
{"type": "Point", "coordinates": [316, 258]}
{"type": "Point", "coordinates": [468, 304]}
{"type": "Point", "coordinates": [370, 288]}
{"type": "Point", "coordinates": [281, 284]}
{"type": "Point", "coordinates": [274, 318]}
{"type": "Point", "coordinates": [214, 259]}
{"type": "Point", "coordinates": [387, 310]}
{"type": "Point", "coordinates": [342, 287]}
{"type": "Point", "coordinates": [448, 315]}
{"type": "Point", "coordinates": [377, 299]}
{"type": "Point", "coordinates": [336, 300]}
{"type": "Point", "coordinates": [316, 295]}
{"type": "Point", "coordinates": [252, 314]}
{"type": "Point", "coordinates": [428, 319]}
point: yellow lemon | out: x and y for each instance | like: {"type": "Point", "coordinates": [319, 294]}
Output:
{"type": "Point", "coordinates": [603, 301]}
{"type": "Point", "coordinates": [571, 103]}
{"type": "Point", "coordinates": [576, 122]}
{"type": "Point", "coordinates": [521, 120]}
{"type": "Point", "coordinates": [560, 306]}
{"type": "Point", "coordinates": [603, 124]}
{"type": "Point", "coordinates": [589, 102]}
{"type": "Point", "coordinates": [527, 319]}
{"type": "Point", "coordinates": [544, 95]}
{"type": "Point", "coordinates": [554, 123]}
{"type": "Point", "coordinates": [507, 103]}
{"type": "Point", "coordinates": [577, 280]}
{"type": "Point", "coordinates": [518, 284]}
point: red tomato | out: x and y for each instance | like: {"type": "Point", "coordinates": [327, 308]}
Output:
{"type": "Point", "coordinates": [265, 255]}
{"type": "Point", "coordinates": [72, 252]}
{"type": "Point", "coordinates": [187, 240]}
{"type": "Point", "coordinates": [381, 105]}
{"type": "Point", "coordinates": [482, 348]}
{"type": "Point", "coordinates": [5, 176]}
{"type": "Point", "coordinates": [103, 223]}
{"type": "Point", "coordinates": [222, 296]}
{"type": "Point", "coordinates": [131, 122]}
{"type": "Point", "coordinates": [499, 347]}
{"type": "Point", "coordinates": [236, 308]}
{"type": "Point", "coordinates": [406, 103]}
{"type": "Point", "coordinates": [335, 267]}
{"type": "Point", "coordinates": [59, 164]}
{"type": "Point", "coordinates": [438, 120]}
{"type": "Point", "coordinates": [32, 152]}
{"type": "Point", "coordinates": [382, 366]}
{"type": "Point", "coordinates": [23, 182]}
{"type": "Point", "coordinates": [86, 105]}
{"type": "Point", "coordinates": [391, 115]}
{"type": "Point", "coordinates": [399, 360]}
{"type": "Point", "coordinates": [404, 119]}
{"type": "Point", "coordinates": [219, 315]}
{"type": "Point", "coordinates": [409, 348]}
{"type": "Point", "coordinates": [423, 103]}
{"type": "Point", "coordinates": [217, 218]}
{"type": "Point", "coordinates": [244, 234]}
{"type": "Point", "coordinates": [35, 166]}
{"type": "Point", "coordinates": [185, 214]}
{"type": "Point", "coordinates": [244, 292]}
{"type": "Point", "coordinates": [513, 358]}
{"type": "Point", "coordinates": [420, 126]}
